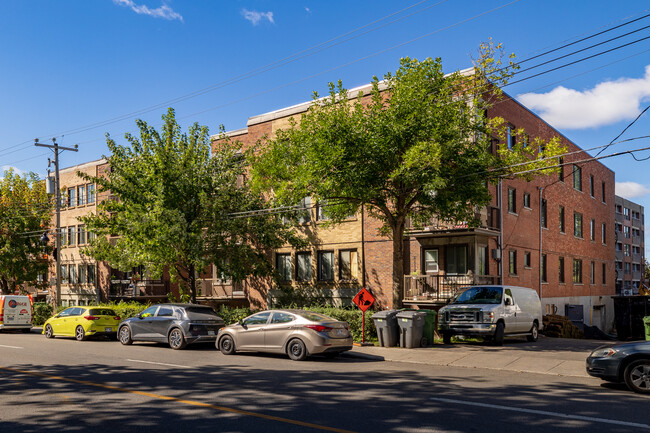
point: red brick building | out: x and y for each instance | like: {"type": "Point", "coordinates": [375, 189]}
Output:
{"type": "Point", "coordinates": [629, 246]}
{"type": "Point", "coordinates": [554, 234]}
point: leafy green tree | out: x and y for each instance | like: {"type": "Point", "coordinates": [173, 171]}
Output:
{"type": "Point", "coordinates": [418, 147]}
{"type": "Point", "coordinates": [173, 206]}
{"type": "Point", "coordinates": [25, 211]}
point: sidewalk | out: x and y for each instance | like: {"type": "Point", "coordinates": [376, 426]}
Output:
{"type": "Point", "coordinates": [556, 356]}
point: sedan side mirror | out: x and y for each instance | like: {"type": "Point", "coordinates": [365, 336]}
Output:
{"type": "Point", "coordinates": [241, 322]}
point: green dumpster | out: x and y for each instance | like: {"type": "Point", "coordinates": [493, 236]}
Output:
{"type": "Point", "coordinates": [646, 323]}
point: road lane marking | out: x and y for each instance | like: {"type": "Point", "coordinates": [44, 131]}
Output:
{"type": "Point", "coordinates": [544, 412]}
{"type": "Point", "coordinates": [159, 363]}
{"type": "Point", "coordinates": [179, 400]}
{"type": "Point", "coordinates": [11, 347]}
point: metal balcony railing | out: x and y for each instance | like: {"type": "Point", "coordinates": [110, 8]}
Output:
{"type": "Point", "coordinates": [440, 288]}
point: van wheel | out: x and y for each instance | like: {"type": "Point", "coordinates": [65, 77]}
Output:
{"type": "Point", "coordinates": [49, 332]}
{"type": "Point", "coordinates": [446, 337]}
{"type": "Point", "coordinates": [534, 333]}
{"type": "Point", "coordinates": [498, 334]}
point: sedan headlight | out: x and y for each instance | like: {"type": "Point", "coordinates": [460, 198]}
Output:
{"type": "Point", "coordinates": [604, 352]}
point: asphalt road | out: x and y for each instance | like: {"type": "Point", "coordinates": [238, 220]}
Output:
{"type": "Point", "coordinates": [101, 386]}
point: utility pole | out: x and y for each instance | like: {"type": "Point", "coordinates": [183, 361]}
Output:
{"type": "Point", "coordinates": [57, 188]}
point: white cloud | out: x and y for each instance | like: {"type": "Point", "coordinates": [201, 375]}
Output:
{"type": "Point", "coordinates": [7, 167]}
{"type": "Point", "coordinates": [606, 103]}
{"type": "Point", "coordinates": [255, 17]}
{"type": "Point", "coordinates": [307, 9]}
{"type": "Point", "coordinates": [164, 11]}
{"type": "Point", "coordinates": [630, 190]}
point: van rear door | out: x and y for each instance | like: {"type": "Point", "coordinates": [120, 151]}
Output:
{"type": "Point", "coordinates": [16, 311]}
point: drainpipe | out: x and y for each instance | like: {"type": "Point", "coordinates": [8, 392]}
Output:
{"type": "Point", "coordinates": [541, 191]}
{"type": "Point", "coordinates": [500, 197]}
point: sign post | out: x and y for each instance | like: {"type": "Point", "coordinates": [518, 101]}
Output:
{"type": "Point", "coordinates": [363, 300]}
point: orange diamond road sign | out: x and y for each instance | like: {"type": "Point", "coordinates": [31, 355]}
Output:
{"type": "Point", "coordinates": [364, 299]}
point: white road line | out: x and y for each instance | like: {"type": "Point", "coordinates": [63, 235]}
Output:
{"type": "Point", "coordinates": [11, 347]}
{"type": "Point", "coordinates": [159, 363]}
{"type": "Point", "coordinates": [544, 412]}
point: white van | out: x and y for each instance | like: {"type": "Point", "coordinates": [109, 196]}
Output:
{"type": "Point", "coordinates": [492, 312]}
{"type": "Point", "coordinates": [16, 312]}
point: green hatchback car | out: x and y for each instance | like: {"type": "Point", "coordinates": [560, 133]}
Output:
{"type": "Point", "coordinates": [82, 322]}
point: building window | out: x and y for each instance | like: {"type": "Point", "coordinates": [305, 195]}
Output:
{"type": "Point", "coordinates": [543, 269]}
{"type": "Point", "coordinates": [591, 185]}
{"type": "Point", "coordinates": [577, 225]}
{"type": "Point", "coordinates": [592, 273]}
{"type": "Point", "coordinates": [543, 216]}
{"type": "Point", "coordinates": [511, 137]}
{"type": "Point", "coordinates": [72, 235]}
{"type": "Point", "coordinates": [592, 230]}
{"type": "Point", "coordinates": [303, 266]}
{"type": "Point", "coordinates": [562, 226]}
{"type": "Point", "coordinates": [431, 261]}
{"type": "Point", "coordinates": [283, 266]}
{"type": "Point", "coordinates": [325, 265]}
{"type": "Point", "coordinates": [626, 250]}
{"type": "Point", "coordinates": [81, 195]}
{"type": "Point", "coordinates": [527, 259]}
{"type": "Point", "coordinates": [91, 193]}
{"type": "Point", "coordinates": [603, 191]}
{"type": "Point", "coordinates": [512, 200]}
{"type": "Point", "coordinates": [321, 213]}
{"type": "Point", "coordinates": [72, 274]}
{"type": "Point", "coordinates": [305, 212]}
{"type": "Point", "coordinates": [82, 273]}
{"type": "Point", "coordinates": [527, 200]}
{"type": "Point", "coordinates": [483, 262]}
{"type": "Point", "coordinates": [348, 265]}
{"type": "Point", "coordinates": [561, 168]}
{"type": "Point", "coordinates": [604, 233]}
{"type": "Point", "coordinates": [626, 213]}
{"type": "Point", "coordinates": [91, 274]}
{"type": "Point", "coordinates": [604, 273]}
{"type": "Point", "coordinates": [577, 271]}
{"type": "Point", "coordinates": [561, 270]}
{"type": "Point", "coordinates": [577, 178]}
{"type": "Point", "coordinates": [64, 236]}
{"type": "Point", "coordinates": [64, 274]}
{"type": "Point", "coordinates": [627, 268]}
{"type": "Point", "coordinates": [81, 234]}
{"type": "Point", "coordinates": [72, 196]}
{"type": "Point", "coordinates": [512, 264]}
{"type": "Point", "coordinates": [626, 232]}
{"type": "Point", "coordinates": [456, 259]}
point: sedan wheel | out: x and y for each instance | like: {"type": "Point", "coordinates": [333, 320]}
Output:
{"type": "Point", "coordinates": [80, 334]}
{"type": "Point", "coordinates": [296, 350]}
{"type": "Point", "coordinates": [227, 345]}
{"type": "Point", "coordinates": [637, 376]}
{"type": "Point", "coordinates": [176, 339]}
{"type": "Point", "coordinates": [125, 335]}
{"type": "Point", "coordinates": [49, 332]}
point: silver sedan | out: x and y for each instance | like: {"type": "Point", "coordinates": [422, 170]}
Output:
{"type": "Point", "coordinates": [298, 333]}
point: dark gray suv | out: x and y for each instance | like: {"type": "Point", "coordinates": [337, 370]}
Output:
{"type": "Point", "coordinates": [176, 324]}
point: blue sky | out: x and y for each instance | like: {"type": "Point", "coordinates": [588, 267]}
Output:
{"type": "Point", "coordinates": [76, 70]}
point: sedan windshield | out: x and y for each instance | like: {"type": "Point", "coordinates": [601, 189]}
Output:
{"type": "Point", "coordinates": [480, 295]}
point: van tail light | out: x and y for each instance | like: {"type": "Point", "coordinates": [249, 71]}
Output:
{"type": "Point", "coordinates": [31, 300]}
{"type": "Point", "coordinates": [91, 317]}
{"type": "Point", "coordinates": [1, 317]}
{"type": "Point", "coordinates": [319, 328]}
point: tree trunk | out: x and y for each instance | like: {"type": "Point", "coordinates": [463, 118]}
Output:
{"type": "Point", "coordinates": [398, 262]}
{"type": "Point", "coordinates": [192, 283]}
{"type": "Point", "coordinates": [4, 286]}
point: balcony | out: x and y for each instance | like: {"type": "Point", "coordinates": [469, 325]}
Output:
{"type": "Point", "coordinates": [138, 290]}
{"type": "Point", "coordinates": [439, 289]}
{"type": "Point", "coordinates": [216, 289]}
{"type": "Point", "coordinates": [488, 218]}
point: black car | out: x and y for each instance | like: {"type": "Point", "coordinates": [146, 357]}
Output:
{"type": "Point", "coordinates": [626, 362]}
{"type": "Point", "coordinates": [176, 324]}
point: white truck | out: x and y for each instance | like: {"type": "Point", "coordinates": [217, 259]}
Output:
{"type": "Point", "coordinates": [492, 312]}
{"type": "Point", "coordinates": [16, 312]}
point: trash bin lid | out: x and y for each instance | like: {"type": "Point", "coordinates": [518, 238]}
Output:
{"type": "Point", "coordinates": [411, 314]}
{"type": "Point", "coordinates": [385, 314]}
{"type": "Point", "coordinates": [646, 320]}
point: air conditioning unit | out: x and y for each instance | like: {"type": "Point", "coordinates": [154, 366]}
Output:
{"type": "Point", "coordinates": [627, 292]}
{"type": "Point", "coordinates": [432, 267]}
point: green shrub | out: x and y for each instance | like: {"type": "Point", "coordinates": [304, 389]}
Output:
{"type": "Point", "coordinates": [42, 312]}
{"type": "Point", "coordinates": [233, 315]}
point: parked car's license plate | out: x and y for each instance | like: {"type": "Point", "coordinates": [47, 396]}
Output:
{"type": "Point", "coordinates": [108, 329]}
{"type": "Point", "coordinates": [339, 332]}
{"type": "Point", "coordinates": [210, 332]}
